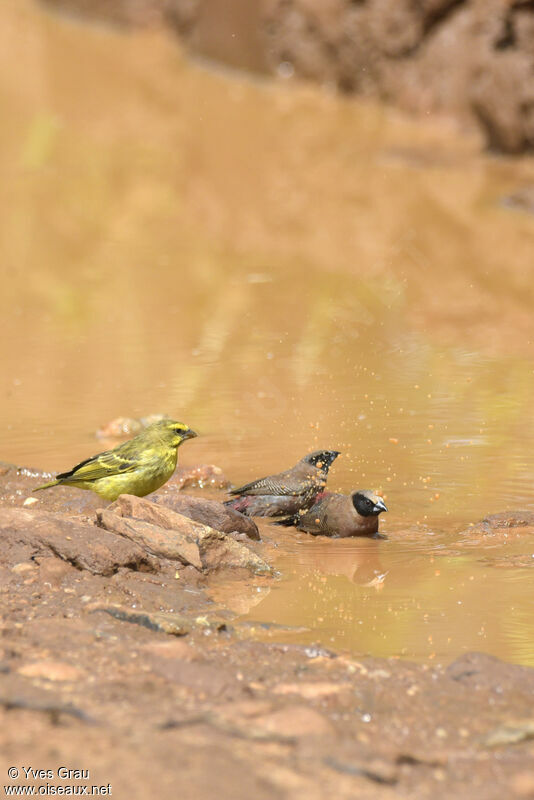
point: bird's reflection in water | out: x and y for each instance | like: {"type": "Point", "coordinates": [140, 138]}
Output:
{"type": "Point", "coordinates": [358, 559]}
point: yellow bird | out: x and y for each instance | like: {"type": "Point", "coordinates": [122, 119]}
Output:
{"type": "Point", "coordinates": [138, 466]}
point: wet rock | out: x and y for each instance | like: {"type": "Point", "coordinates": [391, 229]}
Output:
{"type": "Point", "coordinates": [162, 531]}
{"type": "Point", "coordinates": [208, 512]}
{"type": "Point", "coordinates": [499, 528]}
{"type": "Point", "coordinates": [161, 621]}
{"type": "Point", "coordinates": [17, 484]}
{"type": "Point", "coordinates": [51, 671]}
{"type": "Point", "coordinates": [510, 519]}
{"type": "Point", "coordinates": [26, 534]}
{"type": "Point", "coordinates": [202, 476]}
{"type": "Point", "coordinates": [124, 427]}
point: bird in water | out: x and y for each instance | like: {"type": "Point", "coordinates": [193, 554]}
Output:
{"type": "Point", "coordinates": [138, 466]}
{"type": "Point", "coordinates": [340, 515]}
{"type": "Point", "coordinates": [287, 492]}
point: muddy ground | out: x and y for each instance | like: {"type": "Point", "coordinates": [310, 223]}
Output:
{"type": "Point", "coordinates": [468, 60]}
{"type": "Point", "coordinates": [113, 659]}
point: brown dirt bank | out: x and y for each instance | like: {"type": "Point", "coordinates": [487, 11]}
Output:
{"type": "Point", "coordinates": [471, 60]}
{"type": "Point", "coordinates": [119, 655]}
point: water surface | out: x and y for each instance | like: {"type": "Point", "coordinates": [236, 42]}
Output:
{"type": "Point", "coordinates": [282, 269]}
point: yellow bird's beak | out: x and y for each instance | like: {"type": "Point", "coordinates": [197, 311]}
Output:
{"type": "Point", "coordinates": [188, 434]}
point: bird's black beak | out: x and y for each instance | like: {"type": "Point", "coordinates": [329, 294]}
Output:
{"type": "Point", "coordinates": [380, 506]}
{"type": "Point", "coordinates": [188, 434]}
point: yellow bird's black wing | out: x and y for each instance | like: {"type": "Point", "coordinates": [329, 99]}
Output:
{"type": "Point", "coordinates": [104, 465]}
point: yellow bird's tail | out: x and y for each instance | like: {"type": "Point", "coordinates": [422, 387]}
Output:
{"type": "Point", "coordinates": [45, 486]}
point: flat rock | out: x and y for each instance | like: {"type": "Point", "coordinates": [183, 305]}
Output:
{"type": "Point", "coordinates": [163, 532]}
{"type": "Point", "coordinates": [175, 544]}
{"type": "Point", "coordinates": [208, 512]}
{"type": "Point", "coordinates": [26, 534]}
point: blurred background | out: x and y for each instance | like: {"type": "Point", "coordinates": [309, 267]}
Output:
{"type": "Point", "coordinates": [290, 224]}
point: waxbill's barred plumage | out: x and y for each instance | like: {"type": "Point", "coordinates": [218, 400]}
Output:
{"type": "Point", "coordinates": [287, 492]}
{"type": "Point", "coordinates": [340, 515]}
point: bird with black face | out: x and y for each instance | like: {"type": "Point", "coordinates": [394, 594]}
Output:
{"type": "Point", "coordinates": [340, 515]}
{"type": "Point", "coordinates": [138, 466]}
{"type": "Point", "coordinates": [288, 492]}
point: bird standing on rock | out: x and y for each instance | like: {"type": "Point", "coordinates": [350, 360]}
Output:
{"type": "Point", "coordinates": [138, 466]}
{"type": "Point", "coordinates": [287, 492]}
{"type": "Point", "coordinates": [340, 515]}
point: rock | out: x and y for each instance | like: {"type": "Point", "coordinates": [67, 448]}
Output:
{"type": "Point", "coordinates": [510, 519]}
{"type": "Point", "coordinates": [163, 532]}
{"type": "Point", "coordinates": [161, 621]}
{"type": "Point", "coordinates": [51, 671]}
{"type": "Point", "coordinates": [467, 59]}
{"type": "Point", "coordinates": [202, 476]}
{"type": "Point", "coordinates": [502, 100]}
{"type": "Point", "coordinates": [499, 528]}
{"type": "Point", "coordinates": [174, 544]}
{"type": "Point", "coordinates": [124, 427]}
{"type": "Point", "coordinates": [26, 533]}
{"type": "Point", "coordinates": [17, 484]}
{"type": "Point", "coordinates": [509, 733]}
{"type": "Point", "coordinates": [208, 512]}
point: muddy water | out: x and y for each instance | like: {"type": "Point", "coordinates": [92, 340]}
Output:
{"type": "Point", "coordinates": [281, 269]}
